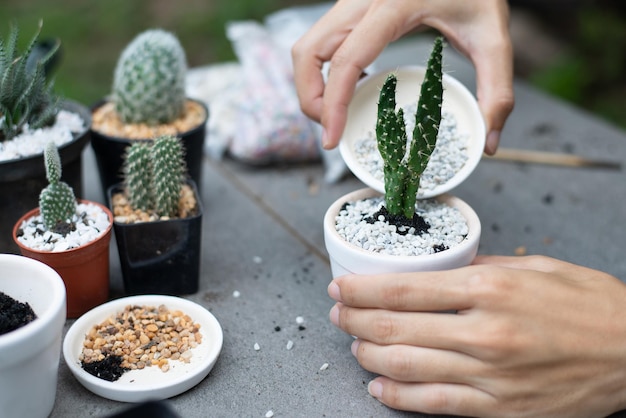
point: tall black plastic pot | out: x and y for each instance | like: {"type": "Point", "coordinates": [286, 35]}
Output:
{"type": "Point", "coordinates": [161, 257]}
{"type": "Point", "coordinates": [22, 180]}
{"type": "Point", "coordinates": [109, 151]}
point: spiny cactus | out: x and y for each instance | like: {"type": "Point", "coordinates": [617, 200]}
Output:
{"type": "Point", "coordinates": [154, 175]}
{"type": "Point", "coordinates": [138, 176]}
{"type": "Point", "coordinates": [26, 95]}
{"type": "Point", "coordinates": [57, 202]}
{"type": "Point", "coordinates": [402, 167]}
{"type": "Point", "coordinates": [168, 171]}
{"type": "Point", "coordinates": [149, 79]}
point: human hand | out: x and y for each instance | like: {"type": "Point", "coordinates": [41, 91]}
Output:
{"type": "Point", "coordinates": [354, 32]}
{"type": "Point", "coordinates": [532, 337]}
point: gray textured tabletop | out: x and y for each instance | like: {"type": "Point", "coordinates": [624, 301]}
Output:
{"type": "Point", "coordinates": [262, 236]}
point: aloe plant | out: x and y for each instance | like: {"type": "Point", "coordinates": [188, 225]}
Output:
{"type": "Point", "coordinates": [26, 95]}
{"type": "Point", "coordinates": [404, 161]}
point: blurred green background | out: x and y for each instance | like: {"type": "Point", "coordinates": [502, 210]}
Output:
{"type": "Point", "coordinates": [589, 71]}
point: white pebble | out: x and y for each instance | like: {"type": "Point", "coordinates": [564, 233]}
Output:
{"type": "Point", "coordinates": [257, 347]}
{"type": "Point", "coordinates": [324, 367]}
{"type": "Point", "coordinates": [236, 294]}
{"type": "Point", "coordinates": [289, 345]}
{"type": "Point", "coordinates": [257, 259]}
{"type": "Point", "coordinates": [269, 414]}
{"type": "Point", "coordinates": [299, 320]}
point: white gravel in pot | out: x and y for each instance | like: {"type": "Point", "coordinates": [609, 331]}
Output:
{"type": "Point", "coordinates": [447, 228]}
{"type": "Point", "coordinates": [33, 141]}
{"type": "Point", "coordinates": [447, 159]}
{"type": "Point", "coordinates": [90, 221]}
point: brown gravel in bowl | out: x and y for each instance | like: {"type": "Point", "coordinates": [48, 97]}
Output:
{"type": "Point", "coordinates": [142, 336]}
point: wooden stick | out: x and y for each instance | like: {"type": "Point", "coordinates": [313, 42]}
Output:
{"type": "Point", "coordinates": [551, 158]}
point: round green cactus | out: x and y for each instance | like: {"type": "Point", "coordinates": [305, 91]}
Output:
{"type": "Point", "coordinates": [168, 170]}
{"type": "Point", "coordinates": [149, 79]}
{"type": "Point", "coordinates": [57, 202]}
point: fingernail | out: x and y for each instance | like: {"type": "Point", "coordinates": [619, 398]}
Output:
{"type": "Point", "coordinates": [355, 347]}
{"type": "Point", "coordinates": [325, 143]}
{"type": "Point", "coordinates": [334, 316]}
{"type": "Point", "coordinates": [375, 388]}
{"type": "Point", "coordinates": [334, 292]}
{"type": "Point", "coordinates": [493, 139]}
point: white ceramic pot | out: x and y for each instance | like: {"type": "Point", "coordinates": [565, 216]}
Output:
{"type": "Point", "coordinates": [29, 356]}
{"type": "Point", "coordinates": [348, 258]}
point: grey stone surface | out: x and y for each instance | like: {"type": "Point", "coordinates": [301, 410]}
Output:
{"type": "Point", "coordinates": [275, 214]}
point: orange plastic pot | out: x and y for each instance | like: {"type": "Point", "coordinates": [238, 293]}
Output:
{"type": "Point", "coordinates": [84, 270]}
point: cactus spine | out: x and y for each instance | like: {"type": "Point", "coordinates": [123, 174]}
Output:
{"type": "Point", "coordinates": [402, 167]}
{"type": "Point", "coordinates": [149, 79]}
{"type": "Point", "coordinates": [154, 174]}
{"type": "Point", "coordinates": [57, 202]}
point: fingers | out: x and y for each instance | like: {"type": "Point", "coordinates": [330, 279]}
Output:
{"type": "Point", "coordinates": [405, 363]}
{"type": "Point", "coordinates": [433, 398]}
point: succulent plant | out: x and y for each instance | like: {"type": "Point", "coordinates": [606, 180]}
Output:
{"type": "Point", "coordinates": [57, 202]}
{"type": "Point", "coordinates": [149, 79]}
{"type": "Point", "coordinates": [138, 176]}
{"type": "Point", "coordinates": [403, 167]}
{"type": "Point", "coordinates": [168, 173]}
{"type": "Point", "coordinates": [154, 174]}
{"type": "Point", "coordinates": [26, 96]}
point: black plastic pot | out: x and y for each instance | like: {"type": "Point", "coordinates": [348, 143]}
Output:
{"type": "Point", "coordinates": [22, 180]}
{"type": "Point", "coordinates": [161, 257]}
{"type": "Point", "coordinates": [109, 151]}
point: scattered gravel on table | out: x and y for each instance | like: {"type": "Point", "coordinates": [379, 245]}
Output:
{"type": "Point", "coordinates": [33, 141]}
{"type": "Point", "coordinates": [447, 228]}
{"type": "Point", "coordinates": [447, 159]}
{"type": "Point", "coordinates": [90, 222]}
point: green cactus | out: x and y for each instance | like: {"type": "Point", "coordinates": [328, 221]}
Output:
{"type": "Point", "coordinates": [154, 174]}
{"type": "Point", "coordinates": [137, 171]}
{"type": "Point", "coordinates": [57, 202]}
{"type": "Point", "coordinates": [402, 167]}
{"type": "Point", "coordinates": [26, 95]}
{"type": "Point", "coordinates": [149, 79]}
{"type": "Point", "coordinates": [168, 173]}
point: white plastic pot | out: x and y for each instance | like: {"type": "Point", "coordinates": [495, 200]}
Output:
{"type": "Point", "coordinates": [29, 356]}
{"type": "Point", "coordinates": [348, 258]}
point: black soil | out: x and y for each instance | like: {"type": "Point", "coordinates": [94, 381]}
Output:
{"type": "Point", "coordinates": [108, 368]}
{"type": "Point", "coordinates": [402, 223]}
{"type": "Point", "coordinates": [14, 314]}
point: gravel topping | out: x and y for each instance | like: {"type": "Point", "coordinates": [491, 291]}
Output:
{"type": "Point", "coordinates": [447, 228]}
{"type": "Point", "coordinates": [33, 141]}
{"type": "Point", "coordinates": [90, 222]}
{"type": "Point", "coordinates": [447, 159]}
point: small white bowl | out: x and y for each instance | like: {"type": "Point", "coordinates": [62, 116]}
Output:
{"type": "Point", "coordinates": [150, 383]}
{"type": "Point", "coordinates": [457, 100]}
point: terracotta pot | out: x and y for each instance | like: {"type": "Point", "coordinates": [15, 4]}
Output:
{"type": "Point", "coordinates": [347, 258]}
{"type": "Point", "coordinates": [84, 270]}
{"type": "Point", "coordinates": [29, 355]}
{"type": "Point", "coordinates": [24, 178]}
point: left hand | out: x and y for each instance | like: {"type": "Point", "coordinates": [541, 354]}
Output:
{"type": "Point", "coordinates": [532, 337]}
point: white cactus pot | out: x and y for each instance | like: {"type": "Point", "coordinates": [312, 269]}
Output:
{"type": "Point", "coordinates": [348, 258]}
{"type": "Point", "coordinates": [29, 356]}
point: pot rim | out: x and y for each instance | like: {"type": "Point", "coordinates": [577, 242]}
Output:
{"type": "Point", "coordinates": [333, 239]}
{"type": "Point", "coordinates": [35, 211]}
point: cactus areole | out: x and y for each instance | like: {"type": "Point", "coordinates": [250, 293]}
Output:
{"type": "Point", "coordinates": [405, 161]}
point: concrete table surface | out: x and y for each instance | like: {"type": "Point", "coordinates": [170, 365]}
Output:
{"type": "Point", "coordinates": [262, 237]}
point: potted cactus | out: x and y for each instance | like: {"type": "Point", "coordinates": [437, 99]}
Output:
{"type": "Point", "coordinates": [157, 219]}
{"type": "Point", "coordinates": [71, 236]}
{"type": "Point", "coordinates": [31, 114]}
{"type": "Point", "coordinates": [148, 100]}
{"type": "Point", "coordinates": [407, 234]}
